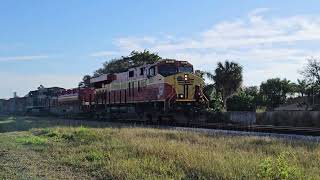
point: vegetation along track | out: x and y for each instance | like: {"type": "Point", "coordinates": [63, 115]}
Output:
{"type": "Point", "coordinates": [265, 128]}
{"type": "Point", "coordinates": [305, 131]}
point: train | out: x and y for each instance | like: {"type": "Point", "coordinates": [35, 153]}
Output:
{"type": "Point", "coordinates": [166, 91]}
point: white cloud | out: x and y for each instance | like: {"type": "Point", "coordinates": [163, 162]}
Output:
{"type": "Point", "coordinates": [258, 11]}
{"type": "Point", "coordinates": [129, 43]}
{"type": "Point", "coordinates": [22, 58]}
{"type": "Point", "coordinates": [265, 46]}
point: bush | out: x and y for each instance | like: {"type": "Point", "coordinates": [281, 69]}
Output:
{"type": "Point", "coordinates": [94, 155]}
{"type": "Point", "coordinates": [278, 169]}
{"type": "Point", "coordinates": [84, 135]}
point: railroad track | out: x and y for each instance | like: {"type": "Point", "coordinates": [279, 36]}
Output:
{"type": "Point", "coordinates": [310, 131]}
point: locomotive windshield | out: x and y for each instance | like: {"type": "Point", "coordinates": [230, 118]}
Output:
{"type": "Point", "coordinates": [170, 69]}
{"type": "Point", "coordinates": [167, 69]}
{"type": "Point", "coordinates": [186, 69]}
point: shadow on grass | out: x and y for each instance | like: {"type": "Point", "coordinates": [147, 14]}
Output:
{"type": "Point", "coordinates": [25, 123]}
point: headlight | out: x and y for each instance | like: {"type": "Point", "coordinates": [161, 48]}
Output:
{"type": "Point", "coordinates": [186, 77]}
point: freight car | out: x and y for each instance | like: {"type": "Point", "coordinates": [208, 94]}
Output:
{"type": "Point", "coordinates": [168, 90]}
{"type": "Point", "coordinates": [75, 101]}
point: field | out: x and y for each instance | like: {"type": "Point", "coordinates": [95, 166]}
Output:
{"type": "Point", "coordinates": [48, 148]}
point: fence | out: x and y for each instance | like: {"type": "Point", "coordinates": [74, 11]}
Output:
{"type": "Point", "coordinates": [277, 118]}
{"type": "Point", "coordinates": [289, 118]}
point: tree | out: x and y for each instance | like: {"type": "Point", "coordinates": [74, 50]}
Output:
{"type": "Point", "coordinates": [311, 71]}
{"type": "Point", "coordinates": [247, 99]}
{"type": "Point", "coordinates": [214, 97]}
{"type": "Point", "coordinates": [241, 102]}
{"type": "Point", "coordinates": [227, 78]}
{"type": "Point", "coordinates": [124, 63]}
{"type": "Point", "coordinates": [275, 91]}
{"type": "Point", "coordinates": [85, 81]}
{"type": "Point", "coordinates": [145, 57]}
{"type": "Point", "coordinates": [301, 87]}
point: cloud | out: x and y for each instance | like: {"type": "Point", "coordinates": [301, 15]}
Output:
{"type": "Point", "coordinates": [258, 11]}
{"type": "Point", "coordinates": [266, 46]}
{"type": "Point", "coordinates": [131, 43]}
{"type": "Point", "coordinates": [22, 58]}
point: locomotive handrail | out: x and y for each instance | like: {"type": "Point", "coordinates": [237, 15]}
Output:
{"type": "Point", "coordinates": [205, 97]}
{"type": "Point", "coordinates": [171, 96]}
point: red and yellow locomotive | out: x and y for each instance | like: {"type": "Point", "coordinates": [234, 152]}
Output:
{"type": "Point", "coordinates": [151, 92]}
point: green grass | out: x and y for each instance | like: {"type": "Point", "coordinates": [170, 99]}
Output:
{"type": "Point", "coordinates": [138, 153]}
{"type": "Point", "coordinates": [31, 140]}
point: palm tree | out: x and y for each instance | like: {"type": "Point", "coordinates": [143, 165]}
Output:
{"type": "Point", "coordinates": [302, 87]}
{"type": "Point", "coordinates": [227, 79]}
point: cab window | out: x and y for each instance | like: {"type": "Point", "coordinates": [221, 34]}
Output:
{"type": "Point", "coordinates": [152, 71]}
{"type": "Point", "coordinates": [131, 73]}
{"type": "Point", "coordinates": [167, 69]}
{"type": "Point", "coordinates": [142, 71]}
{"type": "Point", "coordinates": [186, 69]}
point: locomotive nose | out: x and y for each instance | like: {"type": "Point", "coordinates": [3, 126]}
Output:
{"type": "Point", "coordinates": [186, 86]}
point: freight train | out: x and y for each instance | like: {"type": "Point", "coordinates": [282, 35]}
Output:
{"type": "Point", "coordinates": [168, 90]}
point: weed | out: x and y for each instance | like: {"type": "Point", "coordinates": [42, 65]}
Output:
{"type": "Point", "coordinates": [280, 168]}
{"type": "Point", "coordinates": [68, 136]}
{"type": "Point", "coordinates": [31, 140]}
{"type": "Point", "coordinates": [84, 135]}
{"type": "Point", "coordinates": [94, 155]}
{"type": "Point", "coordinates": [266, 168]}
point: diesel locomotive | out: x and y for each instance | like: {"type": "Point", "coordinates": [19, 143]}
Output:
{"type": "Point", "coordinates": [168, 90]}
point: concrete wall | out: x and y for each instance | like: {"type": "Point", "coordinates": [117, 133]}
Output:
{"type": "Point", "coordinates": [242, 117]}
{"type": "Point", "coordinates": [66, 109]}
{"type": "Point", "coordinates": [278, 118]}
{"type": "Point", "coordinates": [290, 118]}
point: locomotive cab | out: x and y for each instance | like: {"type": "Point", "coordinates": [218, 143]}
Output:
{"type": "Point", "coordinates": [180, 76]}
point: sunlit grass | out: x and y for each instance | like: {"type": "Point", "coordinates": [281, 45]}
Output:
{"type": "Point", "coordinates": [146, 153]}
{"type": "Point", "coordinates": [31, 140]}
{"type": "Point", "coordinates": [138, 153]}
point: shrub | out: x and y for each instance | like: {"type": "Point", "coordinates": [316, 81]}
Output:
{"type": "Point", "coordinates": [94, 155]}
{"type": "Point", "coordinates": [84, 135]}
{"type": "Point", "coordinates": [279, 168]}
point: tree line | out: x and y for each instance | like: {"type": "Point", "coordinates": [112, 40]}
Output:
{"type": "Point", "coordinates": [227, 92]}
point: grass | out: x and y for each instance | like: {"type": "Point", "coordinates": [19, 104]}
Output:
{"type": "Point", "coordinates": [31, 140]}
{"type": "Point", "coordinates": [81, 152]}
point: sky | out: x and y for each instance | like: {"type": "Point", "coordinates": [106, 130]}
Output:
{"type": "Point", "coordinates": [55, 43]}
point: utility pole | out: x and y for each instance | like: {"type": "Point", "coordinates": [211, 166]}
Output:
{"type": "Point", "coordinates": [313, 91]}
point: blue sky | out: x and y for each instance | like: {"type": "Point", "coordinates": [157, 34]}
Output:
{"type": "Point", "coordinates": [55, 43]}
